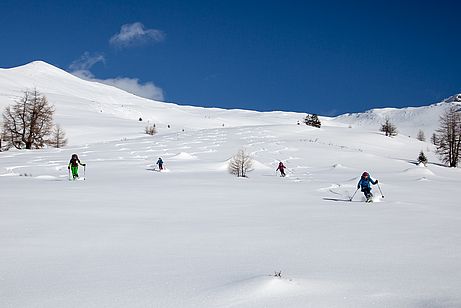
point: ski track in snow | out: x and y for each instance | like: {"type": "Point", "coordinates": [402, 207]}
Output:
{"type": "Point", "coordinates": [302, 223]}
{"type": "Point", "coordinates": [260, 144]}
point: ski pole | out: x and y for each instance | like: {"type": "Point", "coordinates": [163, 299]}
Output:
{"type": "Point", "coordinates": [84, 172]}
{"type": "Point", "coordinates": [382, 196]}
{"type": "Point", "coordinates": [69, 173]}
{"type": "Point", "coordinates": [354, 194]}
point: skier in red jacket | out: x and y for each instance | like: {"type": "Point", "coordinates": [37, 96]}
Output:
{"type": "Point", "coordinates": [281, 167]}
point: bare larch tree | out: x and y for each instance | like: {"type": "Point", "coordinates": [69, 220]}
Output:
{"type": "Point", "coordinates": [240, 164]}
{"type": "Point", "coordinates": [58, 137]}
{"type": "Point", "coordinates": [420, 135]}
{"type": "Point", "coordinates": [29, 121]}
{"type": "Point", "coordinates": [1, 139]}
{"type": "Point", "coordinates": [448, 140]}
{"type": "Point", "coordinates": [434, 139]}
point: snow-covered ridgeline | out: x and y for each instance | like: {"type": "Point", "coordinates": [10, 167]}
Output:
{"type": "Point", "coordinates": [408, 120]}
{"type": "Point", "coordinates": [111, 113]}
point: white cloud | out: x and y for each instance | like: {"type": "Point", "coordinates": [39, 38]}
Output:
{"type": "Point", "coordinates": [86, 61]}
{"type": "Point", "coordinates": [134, 34]}
{"type": "Point", "coordinates": [134, 86]}
{"type": "Point", "coordinates": [81, 68]}
{"type": "Point", "coordinates": [84, 74]}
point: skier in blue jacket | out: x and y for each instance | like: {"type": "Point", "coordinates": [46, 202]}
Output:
{"type": "Point", "coordinates": [160, 164]}
{"type": "Point", "coordinates": [365, 185]}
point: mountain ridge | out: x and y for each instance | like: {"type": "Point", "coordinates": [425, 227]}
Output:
{"type": "Point", "coordinates": [81, 103]}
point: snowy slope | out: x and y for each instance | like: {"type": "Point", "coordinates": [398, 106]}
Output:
{"type": "Point", "coordinates": [113, 113]}
{"type": "Point", "coordinates": [109, 112]}
{"type": "Point", "coordinates": [408, 120]}
{"type": "Point", "coordinates": [195, 236]}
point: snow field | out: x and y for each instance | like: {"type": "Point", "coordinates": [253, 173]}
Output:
{"type": "Point", "coordinates": [195, 236]}
{"type": "Point", "coordinates": [198, 237]}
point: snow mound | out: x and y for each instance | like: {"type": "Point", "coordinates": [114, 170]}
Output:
{"type": "Point", "coordinates": [418, 171]}
{"type": "Point", "coordinates": [222, 166]}
{"type": "Point", "coordinates": [47, 178]}
{"type": "Point", "coordinates": [10, 174]}
{"type": "Point", "coordinates": [183, 156]}
{"type": "Point", "coordinates": [257, 290]}
{"type": "Point", "coordinates": [331, 187]}
{"type": "Point", "coordinates": [257, 165]}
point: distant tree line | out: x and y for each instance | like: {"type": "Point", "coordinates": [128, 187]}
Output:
{"type": "Point", "coordinates": [447, 138]}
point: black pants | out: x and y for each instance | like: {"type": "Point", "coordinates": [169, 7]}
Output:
{"type": "Point", "coordinates": [367, 192]}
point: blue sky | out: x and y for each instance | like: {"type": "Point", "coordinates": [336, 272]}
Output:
{"type": "Point", "coordinates": [326, 57]}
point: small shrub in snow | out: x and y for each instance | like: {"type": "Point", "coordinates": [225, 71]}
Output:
{"type": "Point", "coordinates": [388, 128]}
{"type": "Point", "coordinates": [150, 130]}
{"type": "Point", "coordinates": [422, 158]}
{"type": "Point", "coordinates": [420, 135]}
{"type": "Point", "coordinates": [240, 164]}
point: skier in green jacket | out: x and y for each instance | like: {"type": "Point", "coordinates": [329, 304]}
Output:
{"type": "Point", "coordinates": [73, 165]}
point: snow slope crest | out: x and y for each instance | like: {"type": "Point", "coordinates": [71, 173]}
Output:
{"type": "Point", "coordinates": [38, 67]}
{"type": "Point", "coordinates": [408, 120]}
{"type": "Point", "coordinates": [455, 98]}
{"type": "Point", "coordinates": [111, 113]}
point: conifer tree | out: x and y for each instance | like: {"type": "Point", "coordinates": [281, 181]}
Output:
{"type": "Point", "coordinates": [422, 158]}
{"type": "Point", "coordinates": [388, 128]}
{"type": "Point", "coordinates": [312, 120]}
